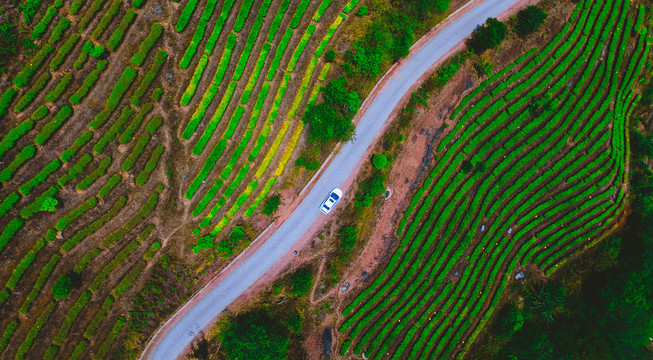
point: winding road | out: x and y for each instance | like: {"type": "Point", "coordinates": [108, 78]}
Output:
{"type": "Point", "coordinates": [180, 330]}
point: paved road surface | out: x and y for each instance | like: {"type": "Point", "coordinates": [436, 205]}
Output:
{"type": "Point", "coordinates": [184, 331]}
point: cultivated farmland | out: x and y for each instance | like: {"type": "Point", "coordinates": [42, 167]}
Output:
{"type": "Point", "coordinates": [533, 172]}
{"type": "Point", "coordinates": [134, 127]}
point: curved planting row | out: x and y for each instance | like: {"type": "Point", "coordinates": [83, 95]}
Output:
{"type": "Point", "coordinates": [237, 144]}
{"type": "Point", "coordinates": [81, 175]}
{"type": "Point", "coordinates": [533, 172]}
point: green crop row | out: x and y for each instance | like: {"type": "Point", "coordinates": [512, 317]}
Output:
{"type": "Point", "coordinates": [217, 116]}
{"type": "Point", "coordinates": [24, 263]}
{"type": "Point", "coordinates": [262, 95]}
{"type": "Point", "coordinates": [208, 196]}
{"type": "Point", "coordinates": [153, 124]}
{"type": "Point", "coordinates": [147, 44]}
{"type": "Point", "coordinates": [106, 19]}
{"type": "Point", "coordinates": [46, 270]}
{"type": "Point", "coordinates": [21, 158]}
{"type": "Point", "coordinates": [34, 332]}
{"type": "Point", "coordinates": [70, 318]}
{"type": "Point", "coordinates": [119, 32]}
{"type": "Point", "coordinates": [88, 83]}
{"type": "Point", "coordinates": [264, 192]}
{"type": "Point", "coordinates": [115, 128]}
{"type": "Point", "coordinates": [233, 123]}
{"type": "Point", "coordinates": [9, 202]}
{"type": "Point", "coordinates": [274, 27]}
{"type": "Point", "coordinates": [83, 55]}
{"type": "Point", "coordinates": [108, 187]}
{"type": "Point", "coordinates": [86, 259]}
{"type": "Point", "coordinates": [80, 141]}
{"type": "Point", "coordinates": [206, 168]}
{"type": "Point", "coordinates": [75, 170]}
{"type": "Point", "coordinates": [253, 78]}
{"type": "Point", "coordinates": [302, 89]}
{"type": "Point", "coordinates": [32, 92]}
{"type": "Point", "coordinates": [106, 345]}
{"type": "Point", "coordinates": [62, 25]}
{"type": "Point", "coordinates": [46, 132]}
{"type": "Point", "coordinates": [149, 77]}
{"type": "Point", "coordinates": [45, 21]}
{"type": "Point", "coordinates": [96, 6]}
{"type": "Point", "coordinates": [89, 333]}
{"type": "Point", "coordinates": [6, 335]}
{"type": "Point", "coordinates": [64, 50]}
{"type": "Point", "coordinates": [281, 48]}
{"type": "Point", "coordinates": [274, 111]}
{"type": "Point", "coordinates": [212, 90]}
{"type": "Point", "coordinates": [14, 134]}
{"type": "Point", "coordinates": [125, 80]}
{"type": "Point", "coordinates": [25, 74]}
{"type": "Point", "coordinates": [251, 38]}
{"type": "Point", "coordinates": [350, 6]}
{"type": "Point", "coordinates": [94, 226]}
{"type": "Point", "coordinates": [136, 122]}
{"type": "Point", "coordinates": [75, 6]}
{"type": "Point", "coordinates": [6, 99]}
{"type": "Point", "coordinates": [153, 248]}
{"type": "Point", "coordinates": [59, 89]}
{"type": "Point", "coordinates": [237, 180]}
{"type": "Point", "coordinates": [112, 265]}
{"type": "Point", "coordinates": [332, 30]}
{"type": "Point", "coordinates": [90, 178]}
{"type": "Point", "coordinates": [143, 212]}
{"type": "Point", "coordinates": [128, 280]}
{"type": "Point", "coordinates": [300, 47]}
{"type": "Point", "coordinates": [198, 35]}
{"type": "Point", "coordinates": [299, 12]}
{"type": "Point", "coordinates": [320, 10]}
{"type": "Point", "coordinates": [236, 155]}
{"type": "Point", "coordinates": [244, 10]}
{"type": "Point", "coordinates": [138, 149]}
{"type": "Point", "coordinates": [239, 203]}
{"type": "Point", "coordinates": [26, 188]}
{"type": "Point", "coordinates": [76, 213]}
{"type": "Point", "coordinates": [259, 143]}
{"type": "Point", "coordinates": [185, 15]}
{"type": "Point", "coordinates": [144, 175]}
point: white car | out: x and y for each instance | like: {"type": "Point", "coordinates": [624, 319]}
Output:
{"type": "Point", "coordinates": [331, 200]}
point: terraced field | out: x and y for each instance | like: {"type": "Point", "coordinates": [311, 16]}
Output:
{"type": "Point", "coordinates": [95, 124]}
{"type": "Point", "coordinates": [533, 173]}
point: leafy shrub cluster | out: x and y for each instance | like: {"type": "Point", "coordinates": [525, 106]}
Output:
{"type": "Point", "coordinates": [369, 190]}
{"type": "Point", "coordinates": [185, 15]}
{"type": "Point", "coordinates": [529, 20]}
{"type": "Point", "coordinates": [61, 288]}
{"type": "Point", "coordinates": [44, 202]}
{"type": "Point", "coordinates": [331, 119]}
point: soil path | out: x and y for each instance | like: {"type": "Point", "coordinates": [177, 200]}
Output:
{"type": "Point", "coordinates": [273, 250]}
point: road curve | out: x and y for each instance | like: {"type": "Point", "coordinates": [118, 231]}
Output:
{"type": "Point", "coordinates": [170, 341]}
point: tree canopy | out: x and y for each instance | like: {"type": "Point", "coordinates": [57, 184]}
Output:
{"type": "Point", "coordinates": [487, 36]}
{"type": "Point", "coordinates": [255, 336]}
{"type": "Point", "coordinates": [301, 282]}
{"type": "Point", "coordinates": [379, 161]}
{"type": "Point", "coordinates": [331, 119]}
{"type": "Point", "coordinates": [61, 287]}
{"type": "Point", "coordinates": [529, 20]}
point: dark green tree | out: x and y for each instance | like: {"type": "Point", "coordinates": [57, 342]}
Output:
{"type": "Point", "coordinates": [487, 36]}
{"type": "Point", "coordinates": [529, 20]}
{"type": "Point", "coordinates": [255, 336]}
{"type": "Point", "coordinates": [362, 11]}
{"type": "Point", "coordinates": [301, 282]}
{"type": "Point", "coordinates": [330, 55]}
{"type": "Point", "coordinates": [48, 204]}
{"type": "Point", "coordinates": [368, 190]}
{"type": "Point", "coordinates": [546, 302]}
{"type": "Point", "coordinates": [331, 119]}
{"type": "Point", "coordinates": [271, 204]}
{"type": "Point", "coordinates": [379, 161]}
{"type": "Point", "coordinates": [467, 166]}
{"type": "Point", "coordinates": [61, 287]}
{"type": "Point", "coordinates": [348, 237]}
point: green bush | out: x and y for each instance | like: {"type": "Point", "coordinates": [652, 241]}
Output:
{"type": "Point", "coordinates": [32, 92]}
{"type": "Point", "coordinates": [301, 282]}
{"type": "Point", "coordinates": [271, 204]}
{"type": "Point", "coordinates": [245, 8]}
{"type": "Point", "coordinates": [153, 125]}
{"type": "Point", "coordinates": [255, 336]}
{"type": "Point", "coordinates": [362, 11]}
{"type": "Point", "coordinates": [488, 36]}
{"type": "Point", "coordinates": [299, 13]}
{"type": "Point", "coordinates": [29, 9]}
{"type": "Point", "coordinates": [58, 90]}
{"type": "Point", "coordinates": [156, 94]}
{"type": "Point", "coordinates": [330, 56]}
{"type": "Point", "coordinates": [24, 264]}
{"type": "Point", "coordinates": [61, 288]}
{"type": "Point", "coordinates": [379, 161]}
{"type": "Point", "coordinates": [205, 242]}
{"type": "Point", "coordinates": [331, 119]}
{"type": "Point", "coordinates": [529, 20]}
{"type": "Point", "coordinates": [46, 132]}
{"type": "Point", "coordinates": [143, 212]}
{"type": "Point", "coordinates": [370, 189]}
{"type": "Point", "coordinates": [348, 236]}
{"type": "Point", "coordinates": [13, 135]}
{"type": "Point", "coordinates": [115, 128]}
{"type": "Point", "coordinates": [147, 44]}
{"type": "Point", "coordinates": [70, 318]}
{"type": "Point", "coordinates": [128, 279]}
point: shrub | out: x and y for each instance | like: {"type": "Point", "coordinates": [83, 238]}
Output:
{"type": "Point", "coordinates": [271, 204]}
{"type": "Point", "coordinates": [299, 12]}
{"type": "Point", "coordinates": [154, 124]}
{"type": "Point", "coordinates": [362, 11]}
{"type": "Point", "coordinates": [94, 226]}
{"type": "Point", "coordinates": [330, 56]}
{"type": "Point", "coordinates": [529, 20]}
{"type": "Point", "coordinates": [487, 36]}
{"type": "Point", "coordinates": [115, 330]}
{"type": "Point", "coordinates": [13, 135]}
{"type": "Point", "coordinates": [61, 287]}
{"type": "Point", "coordinates": [75, 170]}
{"type": "Point", "coordinates": [368, 190]}
{"type": "Point", "coordinates": [205, 242]}
{"type": "Point", "coordinates": [156, 94]}
{"type": "Point", "coordinates": [29, 9]}
{"type": "Point", "coordinates": [331, 119]}
{"type": "Point", "coordinates": [256, 333]}
{"type": "Point", "coordinates": [70, 318]}
{"type": "Point", "coordinates": [379, 161]}
{"type": "Point", "coordinates": [301, 282]}
{"type": "Point", "coordinates": [146, 45]}
{"type": "Point", "coordinates": [348, 237]}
